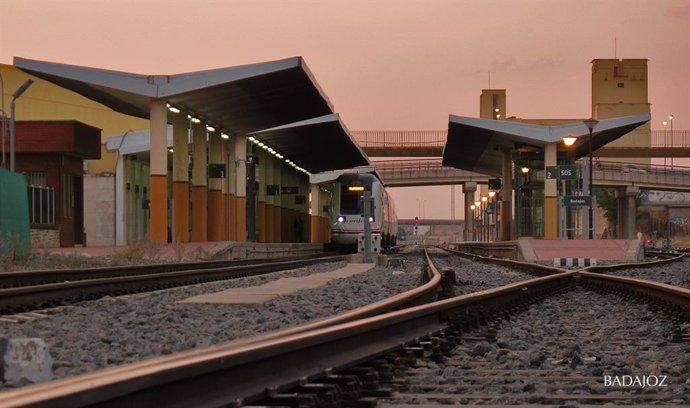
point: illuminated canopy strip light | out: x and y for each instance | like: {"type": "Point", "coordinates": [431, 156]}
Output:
{"type": "Point", "coordinates": [274, 152]}
{"type": "Point", "coordinates": [355, 188]}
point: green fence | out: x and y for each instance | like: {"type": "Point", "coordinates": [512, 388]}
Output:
{"type": "Point", "coordinates": [15, 236]}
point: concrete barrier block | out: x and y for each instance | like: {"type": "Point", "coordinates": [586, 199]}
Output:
{"type": "Point", "coordinates": [25, 359]}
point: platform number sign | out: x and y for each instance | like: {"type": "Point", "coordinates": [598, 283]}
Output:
{"type": "Point", "coordinates": [560, 172]}
{"type": "Point", "coordinates": [567, 172]}
{"type": "Point", "coordinates": [551, 172]}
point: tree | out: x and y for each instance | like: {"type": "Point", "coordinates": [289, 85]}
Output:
{"type": "Point", "coordinates": [607, 201]}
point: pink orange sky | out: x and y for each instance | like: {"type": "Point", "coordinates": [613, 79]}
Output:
{"type": "Point", "coordinates": [385, 64]}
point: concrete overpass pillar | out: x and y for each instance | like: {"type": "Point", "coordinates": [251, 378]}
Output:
{"type": "Point", "coordinates": [180, 188]}
{"type": "Point", "coordinates": [550, 194]}
{"type": "Point", "coordinates": [506, 196]}
{"type": "Point", "coordinates": [468, 190]}
{"type": "Point", "coordinates": [199, 184]}
{"type": "Point", "coordinates": [627, 210]}
{"type": "Point", "coordinates": [241, 191]}
{"type": "Point", "coordinates": [158, 209]}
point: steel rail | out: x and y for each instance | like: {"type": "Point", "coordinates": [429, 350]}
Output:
{"type": "Point", "coordinates": [419, 295]}
{"type": "Point", "coordinates": [227, 373]}
{"type": "Point", "coordinates": [668, 293]}
{"type": "Point", "coordinates": [28, 296]}
{"type": "Point", "coordinates": [39, 277]}
{"type": "Point", "coordinates": [537, 269]}
{"type": "Point", "coordinates": [648, 264]}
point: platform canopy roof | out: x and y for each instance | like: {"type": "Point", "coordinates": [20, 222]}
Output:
{"type": "Point", "coordinates": [235, 100]}
{"type": "Point", "coordinates": [317, 145]}
{"type": "Point", "coordinates": [477, 144]}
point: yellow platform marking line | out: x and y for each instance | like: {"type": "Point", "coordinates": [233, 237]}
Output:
{"type": "Point", "coordinates": [261, 294]}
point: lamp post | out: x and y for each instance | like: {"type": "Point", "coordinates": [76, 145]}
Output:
{"type": "Point", "coordinates": [493, 198]}
{"type": "Point", "coordinates": [474, 234]}
{"type": "Point", "coordinates": [477, 227]}
{"type": "Point", "coordinates": [590, 123]}
{"type": "Point", "coordinates": [16, 95]}
{"type": "Point", "coordinates": [485, 219]}
{"type": "Point", "coordinates": [665, 142]}
{"type": "Point", "coordinates": [670, 120]}
{"type": "Point", "coordinates": [568, 141]}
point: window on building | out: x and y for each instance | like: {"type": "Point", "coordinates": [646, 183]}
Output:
{"type": "Point", "coordinates": [37, 179]}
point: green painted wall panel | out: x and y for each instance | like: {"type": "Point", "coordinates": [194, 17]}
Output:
{"type": "Point", "coordinates": [15, 234]}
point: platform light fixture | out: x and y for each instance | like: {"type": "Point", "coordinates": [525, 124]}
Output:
{"type": "Point", "coordinates": [224, 136]}
{"type": "Point", "coordinates": [210, 128]}
{"type": "Point", "coordinates": [590, 123]}
{"type": "Point", "coordinates": [172, 108]}
{"type": "Point", "coordinates": [569, 140]}
{"type": "Point", "coordinates": [524, 169]}
{"type": "Point", "coordinates": [13, 136]}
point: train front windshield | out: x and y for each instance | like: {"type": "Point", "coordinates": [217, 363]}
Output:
{"type": "Point", "coordinates": [350, 201]}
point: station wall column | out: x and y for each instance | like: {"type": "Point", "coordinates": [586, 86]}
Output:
{"type": "Point", "coordinates": [214, 220]}
{"type": "Point", "coordinates": [270, 199]}
{"type": "Point", "coordinates": [550, 194]}
{"type": "Point", "coordinates": [468, 189]}
{"type": "Point", "coordinates": [232, 189]}
{"type": "Point", "coordinates": [199, 185]}
{"type": "Point", "coordinates": [506, 196]}
{"type": "Point", "coordinates": [304, 210]}
{"type": "Point", "coordinates": [627, 210]}
{"type": "Point", "coordinates": [261, 195]}
{"type": "Point", "coordinates": [159, 171]}
{"type": "Point", "coordinates": [225, 189]}
{"type": "Point", "coordinates": [277, 216]}
{"type": "Point", "coordinates": [315, 219]}
{"type": "Point", "coordinates": [180, 188]}
{"type": "Point", "coordinates": [241, 188]}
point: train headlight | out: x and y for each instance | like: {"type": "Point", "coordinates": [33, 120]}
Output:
{"type": "Point", "coordinates": [340, 218]}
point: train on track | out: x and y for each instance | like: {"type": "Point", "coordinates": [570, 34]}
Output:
{"type": "Point", "coordinates": [347, 208]}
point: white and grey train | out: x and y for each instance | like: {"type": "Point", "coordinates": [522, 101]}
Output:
{"type": "Point", "coordinates": [346, 212]}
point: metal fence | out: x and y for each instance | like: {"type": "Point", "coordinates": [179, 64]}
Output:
{"type": "Point", "coordinates": [437, 138]}
{"type": "Point", "coordinates": [41, 205]}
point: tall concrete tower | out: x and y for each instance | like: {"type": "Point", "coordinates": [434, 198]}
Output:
{"type": "Point", "coordinates": [619, 88]}
{"type": "Point", "coordinates": [492, 104]}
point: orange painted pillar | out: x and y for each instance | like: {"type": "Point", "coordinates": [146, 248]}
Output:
{"type": "Point", "coordinates": [159, 171]}
{"type": "Point", "coordinates": [199, 185]}
{"type": "Point", "coordinates": [180, 188]}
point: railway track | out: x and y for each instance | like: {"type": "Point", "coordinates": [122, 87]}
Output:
{"type": "Point", "coordinates": [25, 293]}
{"type": "Point", "coordinates": [359, 362]}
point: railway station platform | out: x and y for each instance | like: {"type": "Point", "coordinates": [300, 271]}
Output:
{"type": "Point", "coordinates": [258, 295]}
{"type": "Point", "coordinates": [223, 250]}
{"type": "Point", "coordinates": [539, 250]}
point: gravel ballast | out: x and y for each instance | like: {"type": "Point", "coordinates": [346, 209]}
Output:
{"type": "Point", "coordinates": [672, 273]}
{"type": "Point", "coordinates": [113, 331]}
{"type": "Point", "coordinates": [567, 349]}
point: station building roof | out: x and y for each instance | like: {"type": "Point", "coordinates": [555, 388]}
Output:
{"type": "Point", "coordinates": [476, 144]}
{"type": "Point", "coordinates": [236, 100]}
{"type": "Point", "coordinates": [319, 144]}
